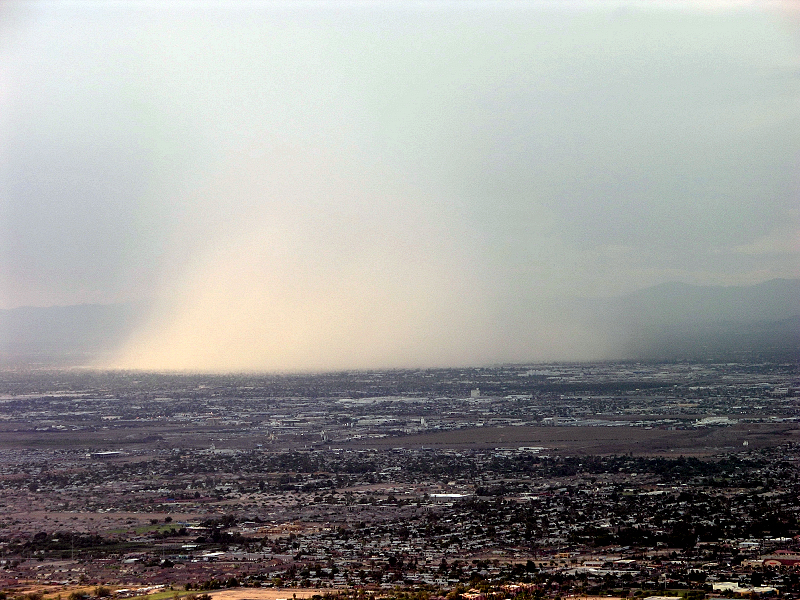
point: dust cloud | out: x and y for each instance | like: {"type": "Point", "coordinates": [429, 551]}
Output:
{"type": "Point", "coordinates": [291, 259]}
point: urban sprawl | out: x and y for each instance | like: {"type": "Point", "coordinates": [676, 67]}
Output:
{"type": "Point", "coordinates": [526, 481]}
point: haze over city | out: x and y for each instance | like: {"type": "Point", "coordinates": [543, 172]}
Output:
{"type": "Point", "coordinates": [399, 300]}
{"type": "Point", "coordinates": [295, 186]}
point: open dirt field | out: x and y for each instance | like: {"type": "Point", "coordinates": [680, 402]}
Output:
{"type": "Point", "coordinates": [605, 440]}
{"type": "Point", "coordinates": [267, 594]}
{"type": "Point", "coordinates": [702, 441]}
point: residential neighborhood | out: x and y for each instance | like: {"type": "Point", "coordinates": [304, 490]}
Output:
{"type": "Point", "coordinates": [626, 480]}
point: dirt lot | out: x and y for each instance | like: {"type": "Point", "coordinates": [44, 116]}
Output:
{"type": "Point", "coordinates": [560, 440]}
{"type": "Point", "coordinates": [605, 440]}
{"type": "Point", "coordinates": [233, 594]}
{"type": "Point", "coordinates": [267, 594]}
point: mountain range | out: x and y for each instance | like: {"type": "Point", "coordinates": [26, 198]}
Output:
{"type": "Point", "coordinates": [678, 321]}
{"type": "Point", "coordinates": [65, 335]}
{"type": "Point", "coordinates": [671, 321]}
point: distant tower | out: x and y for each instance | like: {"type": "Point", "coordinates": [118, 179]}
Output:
{"type": "Point", "coordinates": [476, 393]}
{"type": "Point", "coordinates": [422, 422]}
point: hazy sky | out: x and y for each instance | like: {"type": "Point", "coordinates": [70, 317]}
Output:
{"type": "Point", "coordinates": [356, 184]}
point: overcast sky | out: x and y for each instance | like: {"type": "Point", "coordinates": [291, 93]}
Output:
{"type": "Point", "coordinates": [353, 184]}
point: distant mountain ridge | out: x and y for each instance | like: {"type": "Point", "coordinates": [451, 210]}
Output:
{"type": "Point", "coordinates": [65, 335]}
{"type": "Point", "coordinates": [682, 321]}
{"type": "Point", "coordinates": [772, 300]}
{"type": "Point", "coordinates": [669, 321]}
